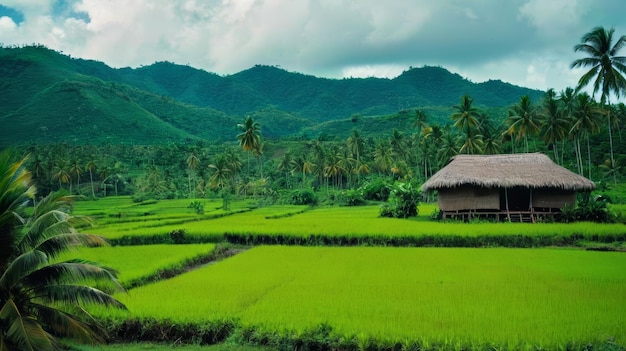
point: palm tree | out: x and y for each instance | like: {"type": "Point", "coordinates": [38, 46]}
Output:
{"type": "Point", "coordinates": [76, 171]}
{"type": "Point", "coordinates": [221, 172]}
{"type": "Point", "coordinates": [104, 174]}
{"type": "Point", "coordinates": [567, 104]}
{"type": "Point", "coordinates": [41, 298]}
{"type": "Point", "coordinates": [466, 119]}
{"type": "Point", "coordinates": [553, 123]}
{"type": "Point", "coordinates": [91, 167]}
{"type": "Point", "coordinates": [250, 136]}
{"type": "Point", "coordinates": [449, 146]}
{"type": "Point", "coordinates": [490, 137]}
{"type": "Point", "coordinates": [284, 165]}
{"type": "Point", "coordinates": [61, 174]}
{"type": "Point", "coordinates": [383, 155]}
{"type": "Point", "coordinates": [585, 120]}
{"type": "Point", "coordinates": [399, 144]}
{"type": "Point", "coordinates": [607, 70]}
{"type": "Point", "coordinates": [356, 144]}
{"type": "Point", "coordinates": [302, 164]}
{"type": "Point", "coordinates": [192, 164]}
{"type": "Point", "coordinates": [523, 120]}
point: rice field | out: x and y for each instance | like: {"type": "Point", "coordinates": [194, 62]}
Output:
{"type": "Point", "coordinates": [127, 219]}
{"type": "Point", "coordinates": [515, 297]}
{"type": "Point", "coordinates": [135, 262]}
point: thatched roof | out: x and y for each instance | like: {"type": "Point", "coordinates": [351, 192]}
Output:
{"type": "Point", "coordinates": [506, 171]}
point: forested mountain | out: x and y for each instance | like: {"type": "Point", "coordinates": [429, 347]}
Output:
{"type": "Point", "coordinates": [49, 97]}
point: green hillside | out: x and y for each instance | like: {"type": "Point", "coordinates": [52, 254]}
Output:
{"type": "Point", "coordinates": [49, 97]}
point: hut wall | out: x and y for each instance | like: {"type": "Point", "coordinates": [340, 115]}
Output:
{"type": "Point", "coordinates": [553, 198]}
{"type": "Point", "coordinates": [469, 198]}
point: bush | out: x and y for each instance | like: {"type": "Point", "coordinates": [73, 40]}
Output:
{"type": "Point", "coordinates": [402, 203]}
{"type": "Point", "coordinates": [377, 189]}
{"type": "Point", "coordinates": [197, 206]}
{"type": "Point", "coordinates": [350, 197]}
{"type": "Point", "coordinates": [302, 197]}
{"type": "Point", "coordinates": [593, 209]}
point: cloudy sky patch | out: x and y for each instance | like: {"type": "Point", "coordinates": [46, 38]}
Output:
{"type": "Point", "coordinates": [524, 42]}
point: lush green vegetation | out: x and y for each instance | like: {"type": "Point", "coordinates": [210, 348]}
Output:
{"type": "Point", "coordinates": [139, 263]}
{"type": "Point", "coordinates": [124, 221]}
{"type": "Point", "coordinates": [512, 298]}
{"type": "Point", "coordinates": [180, 167]}
{"type": "Point", "coordinates": [168, 347]}
{"type": "Point", "coordinates": [43, 298]}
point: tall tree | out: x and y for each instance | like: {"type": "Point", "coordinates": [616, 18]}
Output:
{"type": "Point", "coordinates": [250, 136]}
{"type": "Point", "coordinates": [586, 115]}
{"type": "Point", "coordinates": [76, 171]}
{"type": "Point", "coordinates": [62, 174]}
{"type": "Point", "coordinates": [606, 69]}
{"type": "Point", "coordinates": [356, 145]}
{"type": "Point", "coordinates": [465, 119]}
{"type": "Point", "coordinates": [523, 120]}
{"type": "Point", "coordinates": [92, 167]}
{"type": "Point", "coordinates": [192, 164]}
{"type": "Point", "coordinates": [41, 297]}
{"type": "Point", "coordinates": [554, 125]}
{"type": "Point", "coordinates": [220, 172]}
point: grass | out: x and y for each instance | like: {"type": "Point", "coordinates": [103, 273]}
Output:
{"type": "Point", "coordinates": [158, 219]}
{"type": "Point", "coordinates": [167, 347]}
{"type": "Point", "coordinates": [540, 297]}
{"type": "Point", "coordinates": [136, 262]}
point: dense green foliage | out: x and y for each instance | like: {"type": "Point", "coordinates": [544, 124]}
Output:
{"type": "Point", "coordinates": [42, 298]}
{"type": "Point", "coordinates": [163, 155]}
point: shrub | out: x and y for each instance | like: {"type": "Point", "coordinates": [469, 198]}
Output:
{"type": "Point", "coordinates": [302, 197]}
{"type": "Point", "coordinates": [402, 203]}
{"type": "Point", "coordinates": [197, 206]}
{"type": "Point", "coordinates": [178, 236]}
{"type": "Point", "coordinates": [378, 189]}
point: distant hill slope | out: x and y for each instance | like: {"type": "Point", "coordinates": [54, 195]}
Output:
{"type": "Point", "coordinates": [46, 96]}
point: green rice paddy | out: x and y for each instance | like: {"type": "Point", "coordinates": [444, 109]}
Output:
{"type": "Point", "coordinates": [135, 262]}
{"type": "Point", "coordinates": [457, 298]}
{"type": "Point", "coordinates": [126, 219]}
{"type": "Point", "coordinates": [541, 297]}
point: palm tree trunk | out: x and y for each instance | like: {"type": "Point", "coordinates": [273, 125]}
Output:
{"type": "Point", "coordinates": [577, 153]}
{"type": "Point", "coordinates": [589, 157]}
{"type": "Point", "coordinates": [611, 147]}
{"type": "Point", "coordinates": [93, 193]}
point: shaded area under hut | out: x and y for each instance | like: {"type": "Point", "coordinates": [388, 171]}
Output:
{"type": "Point", "coordinates": [515, 187]}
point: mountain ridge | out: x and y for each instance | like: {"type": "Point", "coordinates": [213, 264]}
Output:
{"type": "Point", "coordinates": [176, 103]}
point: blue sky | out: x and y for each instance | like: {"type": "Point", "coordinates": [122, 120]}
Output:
{"type": "Point", "coordinates": [524, 42]}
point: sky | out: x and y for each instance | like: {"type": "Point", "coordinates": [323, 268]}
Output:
{"type": "Point", "coordinates": [524, 42]}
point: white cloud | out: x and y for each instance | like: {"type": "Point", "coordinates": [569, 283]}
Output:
{"type": "Point", "coordinates": [7, 24]}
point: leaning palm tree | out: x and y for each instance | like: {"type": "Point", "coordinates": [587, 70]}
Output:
{"type": "Point", "coordinates": [607, 70]}
{"type": "Point", "coordinates": [250, 136]}
{"type": "Point", "coordinates": [42, 298]}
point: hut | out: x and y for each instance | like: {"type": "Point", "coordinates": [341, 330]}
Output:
{"type": "Point", "coordinates": [518, 187]}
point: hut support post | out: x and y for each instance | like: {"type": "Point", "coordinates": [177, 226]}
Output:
{"type": "Point", "coordinates": [530, 206]}
{"type": "Point", "coordinates": [506, 201]}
